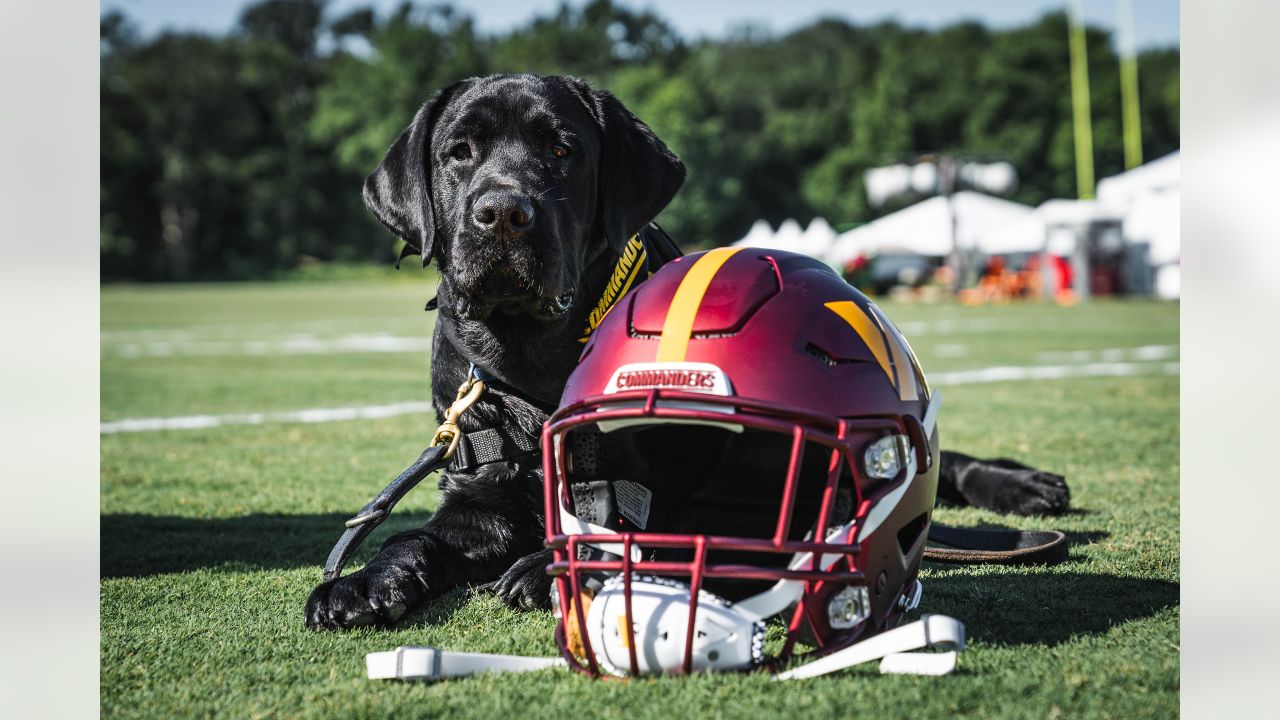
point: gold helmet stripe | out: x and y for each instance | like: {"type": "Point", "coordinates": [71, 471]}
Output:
{"type": "Point", "coordinates": [867, 330]}
{"type": "Point", "coordinates": [678, 325]}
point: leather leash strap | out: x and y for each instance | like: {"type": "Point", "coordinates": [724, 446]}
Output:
{"type": "Point", "coordinates": [996, 547]}
{"type": "Point", "coordinates": [379, 508]}
{"type": "Point", "coordinates": [443, 445]}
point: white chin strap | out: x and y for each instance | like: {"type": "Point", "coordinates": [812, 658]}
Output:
{"type": "Point", "coordinates": [893, 648]}
{"type": "Point", "coordinates": [428, 663]}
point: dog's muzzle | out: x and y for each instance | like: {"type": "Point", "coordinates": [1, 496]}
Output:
{"type": "Point", "coordinates": [507, 292]}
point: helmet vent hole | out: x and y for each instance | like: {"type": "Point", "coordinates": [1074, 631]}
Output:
{"type": "Point", "coordinates": [911, 532]}
{"type": "Point", "coordinates": [827, 358]}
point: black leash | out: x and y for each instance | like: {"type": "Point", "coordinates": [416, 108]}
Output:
{"type": "Point", "coordinates": [450, 448]}
{"type": "Point", "coordinates": [996, 547]}
{"type": "Point", "coordinates": [379, 508]}
{"type": "Point", "coordinates": [444, 444]}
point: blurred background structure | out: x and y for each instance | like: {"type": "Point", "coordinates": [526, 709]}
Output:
{"type": "Point", "coordinates": [238, 153]}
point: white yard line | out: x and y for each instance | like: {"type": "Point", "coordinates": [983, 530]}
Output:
{"type": "Point", "coordinates": [313, 415]}
{"type": "Point", "coordinates": [233, 330]}
{"type": "Point", "coordinates": [1050, 372]}
{"type": "Point", "coordinates": [373, 412]}
{"type": "Point", "coordinates": [289, 345]}
{"type": "Point", "coordinates": [1142, 352]}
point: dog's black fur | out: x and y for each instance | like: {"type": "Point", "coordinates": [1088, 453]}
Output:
{"type": "Point", "coordinates": [524, 189]}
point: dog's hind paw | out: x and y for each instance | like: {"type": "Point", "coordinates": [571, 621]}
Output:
{"type": "Point", "coordinates": [526, 585]}
{"type": "Point", "coordinates": [375, 595]}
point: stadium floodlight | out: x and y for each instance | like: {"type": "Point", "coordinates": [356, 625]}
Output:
{"type": "Point", "coordinates": [997, 178]}
{"type": "Point", "coordinates": [938, 175]}
{"type": "Point", "coordinates": [883, 183]}
{"type": "Point", "coordinates": [924, 178]}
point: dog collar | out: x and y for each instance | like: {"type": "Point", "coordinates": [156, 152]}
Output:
{"type": "Point", "coordinates": [629, 266]}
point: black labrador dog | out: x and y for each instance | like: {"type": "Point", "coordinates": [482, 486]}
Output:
{"type": "Point", "coordinates": [525, 190]}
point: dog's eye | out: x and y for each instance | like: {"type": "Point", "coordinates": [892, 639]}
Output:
{"type": "Point", "coordinates": [461, 151]}
{"type": "Point", "coordinates": [559, 152]}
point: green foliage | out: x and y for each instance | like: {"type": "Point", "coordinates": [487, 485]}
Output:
{"type": "Point", "coordinates": [593, 42]}
{"type": "Point", "coordinates": [371, 96]}
{"type": "Point", "coordinates": [242, 155]}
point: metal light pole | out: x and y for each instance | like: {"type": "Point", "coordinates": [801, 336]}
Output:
{"type": "Point", "coordinates": [947, 170]}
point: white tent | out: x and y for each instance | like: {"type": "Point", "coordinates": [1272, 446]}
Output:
{"type": "Point", "coordinates": [760, 235]}
{"type": "Point", "coordinates": [925, 228]}
{"type": "Point", "coordinates": [788, 235]}
{"type": "Point", "coordinates": [1145, 201]}
{"type": "Point", "coordinates": [1028, 234]}
{"type": "Point", "coordinates": [1162, 175]}
{"type": "Point", "coordinates": [817, 238]}
{"type": "Point", "coordinates": [1154, 219]}
{"type": "Point", "coordinates": [1149, 198]}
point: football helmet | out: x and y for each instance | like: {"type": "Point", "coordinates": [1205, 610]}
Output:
{"type": "Point", "coordinates": [745, 436]}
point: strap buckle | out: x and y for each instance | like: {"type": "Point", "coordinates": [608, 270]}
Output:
{"type": "Point", "coordinates": [404, 663]}
{"type": "Point", "coordinates": [910, 600]}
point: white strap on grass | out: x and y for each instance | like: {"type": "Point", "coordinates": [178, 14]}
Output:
{"type": "Point", "coordinates": [893, 648]}
{"type": "Point", "coordinates": [427, 663]}
{"type": "Point", "coordinates": [919, 663]}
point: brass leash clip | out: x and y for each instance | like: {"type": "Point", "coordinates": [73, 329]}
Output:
{"type": "Point", "coordinates": [448, 432]}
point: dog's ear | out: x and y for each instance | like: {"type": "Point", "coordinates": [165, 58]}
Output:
{"type": "Point", "coordinates": [638, 173]}
{"type": "Point", "coordinates": [398, 191]}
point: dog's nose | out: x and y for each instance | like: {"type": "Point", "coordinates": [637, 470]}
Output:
{"type": "Point", "coordinates": [506, 214]}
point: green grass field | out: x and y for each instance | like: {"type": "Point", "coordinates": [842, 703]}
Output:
{"type": "Point", "coordinates": [212, 538]}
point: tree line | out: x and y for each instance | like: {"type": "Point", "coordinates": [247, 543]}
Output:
{"type": "Point", "coordinates": [241, 155]}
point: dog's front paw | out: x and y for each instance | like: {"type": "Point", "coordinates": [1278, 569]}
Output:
{"type": "Point", "coordinates": [526, 584]}
{"type": "Point", "coordinates": [1032, 492]}
{"type": "Point", "coordinates": [377, 594]}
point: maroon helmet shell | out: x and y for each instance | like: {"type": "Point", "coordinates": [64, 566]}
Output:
{"type": "Point", "coordinates": [751, 430]}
